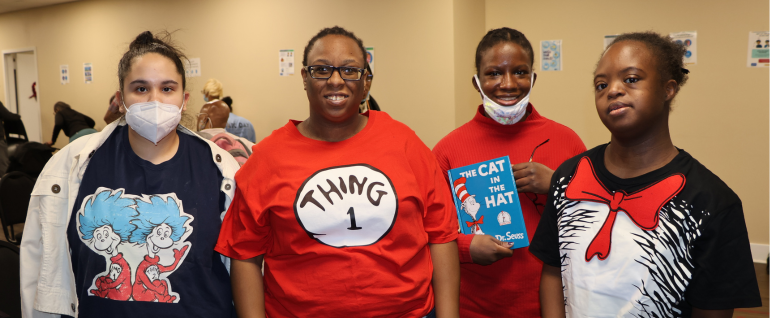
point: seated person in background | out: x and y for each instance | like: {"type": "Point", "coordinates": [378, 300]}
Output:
{"type": "Point", "coordinates": [211, 125]}
{"type": "Point", "coordinates": [5, 115]}
{"type": "Point", "coordinates": [74, 124]}
{"type": "Point", "coordinates": [112, 112]}
{"type": "Point", "coordinates": [238, 125]}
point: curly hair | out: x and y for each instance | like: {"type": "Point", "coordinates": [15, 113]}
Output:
{"type": "Point", "coordinates": [155, 213]}
{"type": "Point", "coordinates": [336, 30]}
{"type": "Point", "coordinates": [145, 43]}
{"type": "Point", "coordinates": [106, 208]}
{"type": "Point", "coordinates": [668, 54]}
{"type": "Point", "coordinates": [496, 36]}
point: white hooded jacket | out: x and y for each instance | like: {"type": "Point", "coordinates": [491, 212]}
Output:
{"type": "Point", "coordinates": [47, 280]}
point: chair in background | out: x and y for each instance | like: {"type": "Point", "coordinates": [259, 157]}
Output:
{"type": "Point", "coordinates": [30, 158]}
{"type": "Point", "coordinates": [10, 298]}
{"type": "Point", "coordinates": [15, 134]}
{"type": "Point", "coordinates": [15, 191]}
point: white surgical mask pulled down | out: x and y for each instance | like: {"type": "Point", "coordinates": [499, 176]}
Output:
{"type": "Point", "coordinates": [153, 120]}
{"type": "Point", "coordinates": [506, 115]}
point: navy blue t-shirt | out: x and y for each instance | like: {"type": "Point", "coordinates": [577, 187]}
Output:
{"type": "Point", "coordinates": [143, 235]}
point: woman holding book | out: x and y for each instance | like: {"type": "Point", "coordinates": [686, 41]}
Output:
{"type": "Point", "coordinates": [497, 279]}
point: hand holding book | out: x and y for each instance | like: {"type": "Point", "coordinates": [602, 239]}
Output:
{"type": "Point", "coordinates": [486, 249]}
{"type": "Point", "coordinates": [532, 177]}
{"type": "Point", "coordinates": [487, 202]}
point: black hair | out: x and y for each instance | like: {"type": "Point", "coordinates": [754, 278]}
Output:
{"type": "Point", "coordinates": [333, 31]}
{"type": "Point", "coordinates": [148, 43]}
{"type": "Point", "coordinates": [668, 54]}
{"type": "Point", "coordinates": [229, 102]}
{"type": "Point", "coordinates": [60, 105]}
{"type": "Point", "coordinates": [112, 98]}
{"type": "Point", "coordinates": [496, 36]}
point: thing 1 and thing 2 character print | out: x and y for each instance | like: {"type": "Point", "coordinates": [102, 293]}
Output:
{"type": "Point", "coordinates": [344, 206]}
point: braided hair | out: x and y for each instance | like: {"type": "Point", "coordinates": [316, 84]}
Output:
{"type": "Point", "coordinates": [496, 36]}
{"type": "Point", "coordinates": [336, 30]}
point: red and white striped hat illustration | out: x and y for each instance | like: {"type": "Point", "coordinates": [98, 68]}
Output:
{"type": "Point", "coordinates": [460, 190]}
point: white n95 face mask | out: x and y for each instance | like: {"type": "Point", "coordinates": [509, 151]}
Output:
{"type": "Point", "coordinates": [506, 115]}
{"type": "Point", "coordinates": [153, 120]}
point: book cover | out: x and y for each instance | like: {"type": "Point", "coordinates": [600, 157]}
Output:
{"type": "Point", "coordinates": [487, 202]}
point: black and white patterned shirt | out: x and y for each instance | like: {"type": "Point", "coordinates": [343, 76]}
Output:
{"type": "Point", "coordinates": [655, 245]}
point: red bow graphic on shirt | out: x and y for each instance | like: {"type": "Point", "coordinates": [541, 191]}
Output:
{"type": "Point", "coordinates": [475, 223]}
{"type": "Point", "coordinates": [641, 206]}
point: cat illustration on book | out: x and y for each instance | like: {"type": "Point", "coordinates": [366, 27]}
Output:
{"type": "Point", "coordinates": [469, 205]}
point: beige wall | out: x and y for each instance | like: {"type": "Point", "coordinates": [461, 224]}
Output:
{"type": "Point", "coordinates": [238, 44]}
{"type": "Point", "coordinates": [424, 61]}
{"type": "Point", "coordinates": [469, 28]}
{"type": "Point", "coordinates": [720, 115]}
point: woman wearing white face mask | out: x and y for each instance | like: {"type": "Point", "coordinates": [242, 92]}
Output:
{"type": "Point", "coordinates": [506, 124]}
{"type": "Point", "coordinates": [145, 193]}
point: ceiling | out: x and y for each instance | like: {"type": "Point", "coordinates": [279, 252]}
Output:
{"type": "Point", "coordinates": [16, 5]}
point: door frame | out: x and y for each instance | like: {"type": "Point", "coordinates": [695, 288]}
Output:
{"type": "Point", "coordinates": [8, 85]}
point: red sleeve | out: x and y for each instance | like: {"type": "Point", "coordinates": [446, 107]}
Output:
{"type": "Point", "coordinates": [246, 231]}
{"type": "Point", "coordinates": [440, 218]}
{"type": "Point", "coordinates": [578, 145]}
{"type": "Point", "coordinates": [464, 247]}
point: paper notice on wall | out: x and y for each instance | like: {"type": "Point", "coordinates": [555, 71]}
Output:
{"type": "Point", "coordinates": [690, 41]}
{"type": "Point", "coordinates": [370, 58]}
{"type": "Point", "coordinates": [759, 49]}
{"type": "Point", "coordinates": [194, 67]}
{"type": "Point", "coordinates": [550, 57]}
{"type": "Point", "coordinates": [608, 40]}
{"type": "Point", "coordinates": [285, 62]}
{"type": "Point", "coordinates": [88, 72]}
{"type": "Point", "coordinates": [64, 74]}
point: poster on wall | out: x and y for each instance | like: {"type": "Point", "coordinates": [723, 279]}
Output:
{"type": "Point", "coordinates": [64, 74]}
{"type": "Point", "coordinates": [759, 49]}
{"type": "Point", "coordinates": [285, 62]}
{"type": "Point", "coordinates": [550, 55]}
{"type": "Point", "coordinates": [194, 68]}
{"type": "Point", "coordinates": [88, 72]}
{"type": "Point", "coordinates": [370, 58]}
{"type": "Point", "coordinates": [608, 40]}
{"type": "Point", "coordinates": [690, 41]}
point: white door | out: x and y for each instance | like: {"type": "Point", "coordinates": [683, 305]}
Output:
{"type": "Point", "coordinates": [9, 60]}
{"type": "Point", "coordinates": [28, 94]}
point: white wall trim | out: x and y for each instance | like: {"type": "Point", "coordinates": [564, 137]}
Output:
{"type": "Point", "coordinates": [759, 252]}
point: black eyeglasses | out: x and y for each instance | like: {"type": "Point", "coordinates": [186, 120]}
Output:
{"type": "Point", "coordinates": [537, 200]}
{"type": "Point", "coordinates": [325, 72]}
{"type": "Point", "coordinates": [538, 146]}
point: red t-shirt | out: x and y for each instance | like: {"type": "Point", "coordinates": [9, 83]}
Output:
{"type": "Point", "coordinates": [509, 287]}
{"type": "Point", "coordinates": [344, 226]}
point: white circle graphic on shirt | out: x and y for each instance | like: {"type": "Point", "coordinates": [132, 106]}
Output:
{"type": "Point", "coordinates": [354, 205]}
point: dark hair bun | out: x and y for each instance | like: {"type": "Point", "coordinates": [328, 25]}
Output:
{"type": "Point", "coordinates": [146, 42]}
{"type": "Point", "coordinates": [144, 39]}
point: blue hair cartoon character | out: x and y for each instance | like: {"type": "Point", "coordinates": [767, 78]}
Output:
{"type": "Point", "coordinates": [104, 222]}
{"type": "Point", "coordinates": [160, 226]}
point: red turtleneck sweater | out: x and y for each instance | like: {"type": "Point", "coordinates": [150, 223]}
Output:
{"type": "Point", "coordinates": [509, 287]}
